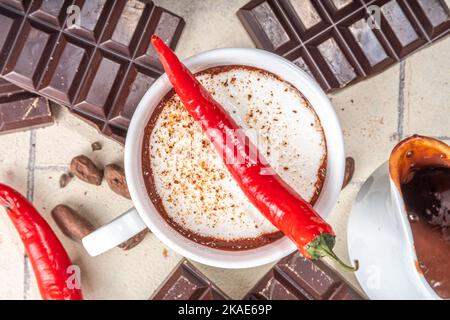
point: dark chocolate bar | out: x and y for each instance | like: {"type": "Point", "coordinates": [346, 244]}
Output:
{"type": "Point", "coordinates": [92, 56]}
{"type": "Point", "coordinates": [297, 278]}
{"type": "Point", "coordinates": [187, 283]}
{"type": "Point", "coordinates": [340, 42]}
{"type": "Point", "coordinates": [21, 110]}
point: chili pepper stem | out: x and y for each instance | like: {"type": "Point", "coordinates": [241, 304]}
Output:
{"type": "Point", "coordinates": [322, 246]}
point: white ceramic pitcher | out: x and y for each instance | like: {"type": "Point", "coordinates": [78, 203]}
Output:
{"type": "Point", "coordinates": [379, 231]}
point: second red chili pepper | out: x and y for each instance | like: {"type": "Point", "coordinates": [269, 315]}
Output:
{"type": "Point", "coordinates": [47, 255]}
{"type": "Point", "coordinates": [275, 199]}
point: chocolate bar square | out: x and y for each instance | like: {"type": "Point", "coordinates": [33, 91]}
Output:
{"type": "Point", "coordinates": [341, 42]}
{"type": "Point", "coordinates": [93, 57]}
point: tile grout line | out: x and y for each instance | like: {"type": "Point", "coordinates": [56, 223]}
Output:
{"type": "Point", "coordinates": [30, 196]}
{"type": "Point", "coordinates": [443, 137]}
{"type": "Point", "coordinates": [401, 101]}
{"type": "Point", "coordinates": [51, 167]}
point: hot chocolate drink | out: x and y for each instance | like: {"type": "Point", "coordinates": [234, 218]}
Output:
{"type": "Point", "coordinates": [187, 180]}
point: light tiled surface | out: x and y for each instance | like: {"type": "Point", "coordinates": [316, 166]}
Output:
{"type": "Point", "coordinates": [427, 92]}
{"type": "Point", "coordinates": [67, 135]}
{"type": "Point", "coordinates": [210, 24]}
{"type": "Point", "coordinates": [368, 113]}
{"type": "Point", "coordinates": [374, 115]}
{"type": "Point", "coordinates": [339, 220]}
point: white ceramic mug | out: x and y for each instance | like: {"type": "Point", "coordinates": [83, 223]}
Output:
{"type": "Point", "coordinates": [145, 215]}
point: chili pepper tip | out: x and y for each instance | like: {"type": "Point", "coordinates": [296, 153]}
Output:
{"type": "Point", "coordinates": [156, 41]}
{"type": "Point", "coordinates": [158, 44]}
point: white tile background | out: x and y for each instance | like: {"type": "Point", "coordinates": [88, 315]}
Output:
{"type": "Point", "coordinates": [409, 98]}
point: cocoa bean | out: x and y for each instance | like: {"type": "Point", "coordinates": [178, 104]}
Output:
{"type": "Point", "coordinates": [349, 171]}
{"type": "Point", "coordinates": [115, 177]}
{"type": "Point", "coordinates": [71, 223]}
{"type": "Point", "coordinates": [132, 242]}
{"type": "Point", "coordinates": [95, 146]}
{"type": "Point", "coordinates": [65, 179]}
{"type": "Point", "coordinates": [84, 169]}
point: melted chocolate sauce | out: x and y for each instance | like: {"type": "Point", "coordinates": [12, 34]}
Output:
{"type": "Point", "coordinates": [427, 200]}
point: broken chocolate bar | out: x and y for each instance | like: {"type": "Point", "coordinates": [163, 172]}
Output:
{"type": "Point", "coordinates": [297, 278]}
{"type": "Point", "coordinates": [187, 283]}
{"type": "Point", "coordinates": [21, 110]}
{"type": "Point", "coordinates": [93, 56]}
{"type": "Point", "coordinates": [340, 42]}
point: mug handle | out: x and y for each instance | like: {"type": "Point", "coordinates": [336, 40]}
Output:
{"type": "Point", "coordinates": [114, 233]}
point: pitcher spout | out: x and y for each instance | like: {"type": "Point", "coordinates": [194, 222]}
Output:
{"type": "Point", "coordinates": [414, 153]}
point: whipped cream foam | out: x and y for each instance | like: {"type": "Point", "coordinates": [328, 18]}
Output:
{"type": "Point", "coordinates": [187, 179]}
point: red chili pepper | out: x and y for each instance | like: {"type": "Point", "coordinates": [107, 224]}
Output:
{"type": "Point", "coordinates": [47, 255]}
{"type": "Point", "coordinates": [275, 199]}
